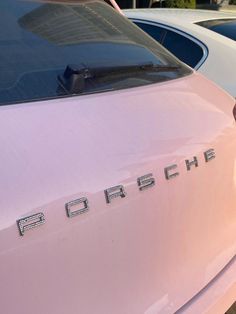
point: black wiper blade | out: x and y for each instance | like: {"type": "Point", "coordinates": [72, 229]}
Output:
{"type": "Point", "coordinates": [144, 67]}
{"type": "Point", "coordinates": [74, 77]}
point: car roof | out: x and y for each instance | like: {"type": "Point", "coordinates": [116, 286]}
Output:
{"type": "Point", "coordinates": [184, 16]}
{"type": "Point", "coordinates": [184, 20]}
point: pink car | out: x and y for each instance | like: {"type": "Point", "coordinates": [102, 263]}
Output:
{"type": "Point", "coordinates": [117, 169]}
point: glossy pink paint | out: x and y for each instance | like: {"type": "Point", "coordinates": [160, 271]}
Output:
{"type": "Point", "coordinates": [150, 252]}
{"type": "Point", "coordinates": [116, 7]}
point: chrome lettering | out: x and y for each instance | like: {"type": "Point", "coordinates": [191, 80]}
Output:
{"type": "Point", "coordinates": [30, 222]}
{"type": "Point", "coordinates": [168, 173]}
{"type": "Point", "coordinates": [209, 154]}
{"type": "Point", "coordinates": [145, 182]}
{"type": "Point", "coordinates": [114, 192]}
{"type": "Point", "coordinates": [77, 207]}
{"type": "Point", "coordinates": [81, 205]}
{"type": "Point", "coordinates": [190, 163]}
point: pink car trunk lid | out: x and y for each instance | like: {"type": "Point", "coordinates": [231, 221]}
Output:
{"type": "Point", "coordinates": [142, 247]}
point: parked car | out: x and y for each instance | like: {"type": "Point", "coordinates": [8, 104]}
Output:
{"type": "Point", "coordinates": [205, 40]}
{"type": "Point", "coordinates": [117, 169]}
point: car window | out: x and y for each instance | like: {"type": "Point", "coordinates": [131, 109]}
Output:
{"type": "Point", "coordinates": [51, 49]}
{"type": "Point", "coordinates": [154, 31]}
{"type": "Point", "coordinates": [224, 27]}
{"type": "Point", "coordinates": [182, 47]}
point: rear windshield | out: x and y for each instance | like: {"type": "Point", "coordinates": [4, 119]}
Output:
{"type": "Point", "coordinates": [51, 49]}
{"type": "Point", "coordinates": [225, 27]}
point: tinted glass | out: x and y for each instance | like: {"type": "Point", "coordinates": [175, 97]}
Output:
{"type": "Point", "coordinates": [154, 31]}
{"type": "Point", "coordinates": [40, 39]}
{"type": "Point", "coordinates": [224, 27]}
{"type": "Point", "coordinates": [183, 48]}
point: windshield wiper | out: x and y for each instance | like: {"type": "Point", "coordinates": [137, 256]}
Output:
{"type": "Point", "coordinates": [101, 71]}
{"type": "Point", "coordinates": [74, 77]}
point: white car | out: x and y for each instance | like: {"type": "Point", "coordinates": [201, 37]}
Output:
{"type": "Point", "coordinates": [205, 40]}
